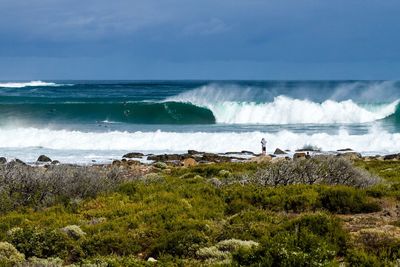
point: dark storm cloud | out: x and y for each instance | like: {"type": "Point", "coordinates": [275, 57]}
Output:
{"type": "Point", "coordinates": [198, 39]}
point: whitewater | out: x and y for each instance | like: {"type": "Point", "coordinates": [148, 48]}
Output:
{"type": "Point", "coordinates": [98, 121]}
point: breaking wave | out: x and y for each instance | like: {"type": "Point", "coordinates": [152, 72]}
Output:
{"type": "Point", "coordinates": [282, 109]}
{"type": "Point", "coordinates": [162, 141]}
{"type": "Point", "coordinates": [28, 84]}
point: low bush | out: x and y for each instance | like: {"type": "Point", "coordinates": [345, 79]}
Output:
{"type": "Point", "coordinates": [316, 170]}
{"type": "Point", "coordinates": [9, 255]}
{"type": "Point", "coordinates": [379, 242]}
{"type": "Point", "coordinates": [359, 258]}
{"type": "Point", "coordinates": [40, 243]}
{"type": "Point", "coordinates": [310, 240]}
{"type": "Point", "coordinates": [346, 200]}
{"type": "Point", "coordinates": [25, 186]}
{"type": "Point", "coordinates": [299, 198]}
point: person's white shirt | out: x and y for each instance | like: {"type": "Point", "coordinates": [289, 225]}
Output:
{"type": "Point", "coordinates": [263, 142]}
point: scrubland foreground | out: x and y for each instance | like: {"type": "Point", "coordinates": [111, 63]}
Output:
{"type": "Point", "coordinates": [323, 211]}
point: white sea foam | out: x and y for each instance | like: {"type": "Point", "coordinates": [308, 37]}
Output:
{"type": "Point", "coordinates": [282, 110]}
{"type": "Point", "coordinates": [376, 140]}
{"type": "Point", "coordinates": [27, 84]}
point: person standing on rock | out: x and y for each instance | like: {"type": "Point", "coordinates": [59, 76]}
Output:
{"type": "Point", "coordinates": [263, 147]}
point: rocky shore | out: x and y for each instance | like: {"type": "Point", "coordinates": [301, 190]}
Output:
{"type": "Point", "coordinates": [193, 157]}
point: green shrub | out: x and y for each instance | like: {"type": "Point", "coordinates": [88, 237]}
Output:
{"type": "Point", "coordinates": [110, 243]}
{"type": "Point", "coordinates": [359, 258]}
{"type": "Point", "coordinates": [182, 243]}
{"type": "Point", "coordinates": [379, 242]}
{"type": "Point", "coordinates": [40, 243]}
{"type": "Point", "coordinates": [285, 249]}
{"type": "Point", "coordinates": [325, 226]}
{"type": "Point", "coordinates": [9, 255]}
{"type": "Point", "coordinates": [345, 200]}
{"type": "Point", "coordinates": [49, 262]}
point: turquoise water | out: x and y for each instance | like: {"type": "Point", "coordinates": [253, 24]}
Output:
{"type": "Point", "coordinates": [82, 121]}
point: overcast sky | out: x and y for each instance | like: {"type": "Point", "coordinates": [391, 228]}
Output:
{"type": "Point", "coordinates": [199, 39]}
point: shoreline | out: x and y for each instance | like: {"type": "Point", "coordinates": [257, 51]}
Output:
{"type": "Point", "coordinates": [200, 157]}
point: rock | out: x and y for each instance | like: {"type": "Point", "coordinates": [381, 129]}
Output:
{"type": "Point", "coordinates": [55, 162]}
{"type": "Point", "coordinates": [261, 159]}
{"type": "Point", "coordinates": [350, 155]}
{"type": "Point", "coordinates": [3, 160]}
{"type": "Point", "coordinates": [299, 155]}
{"type": "Point", "coordinates": [160, 165]}
{"type": "Point", "coordinates": [194, 152]}
{"type": "Point", "coordinates": [279, 151]}
{"type": "Point", "coordinates": [189, 162]}
{"type": "Point", "coordinates": [309, 148]}
{"type": "Point", "coordinates": [43, 158]}
{"type": "Point", "coordinates": [211, 157]}
{"type": "Point", "coordinates": [166, 157]}
{"type": "Point", "coordinates": [133, 155]}
{"type": "Point", "coordinates": [19, 161]}
{"type": "Point", "coordinates": [392, 157]}
{"type": "Point", "coordinates": [344, 150]}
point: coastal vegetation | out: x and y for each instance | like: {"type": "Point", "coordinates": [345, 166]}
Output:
{"type": "Point", "coordinates": [322, 211]}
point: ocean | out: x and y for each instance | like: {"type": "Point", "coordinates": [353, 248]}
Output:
{"type": "Point", "coordinates": [89, 122]}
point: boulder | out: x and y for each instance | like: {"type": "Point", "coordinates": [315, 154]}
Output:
{"type": "Point", "coordinates": [211, 157]}
{"type": "Point", "coordinates": [55, 162]}
{"type": "Point", "coordinates": [43, 158]}
{"type": "Point", "coordinates": [166, 157]}
{"type": "Point", "coordinates": [344, 150]}
{"type": "Point", "coordinates": [19, 161]}
{"type": "Point", "coordinates": [392, 157]}
{"type": "Point", "coordinates": [189, 162]}
{"type": "Point", "coordinates": [133, 155]}
{"type": "Point", "coordinates": [194, 152]}
{"type": "Point", "coordinates": [3, 160]}
{"type": "Point", "coordinates": [279, 151]}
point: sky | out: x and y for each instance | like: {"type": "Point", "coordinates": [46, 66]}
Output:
{"type": "Point", "coordinates": [199, 39]}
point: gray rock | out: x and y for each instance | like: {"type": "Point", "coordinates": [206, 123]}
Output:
{"type": "Point", "coordinates": [193, 152]}
{"type": "Point", "coordinates": [3, 160]}
{"type": "Point", "coordinates": [345, 150]}
{"type": "Point", "coordinates": [19, 162]}
{"type": "Point", "coordinates": [392, 157]}
{"type": "Point", "coordinates": [166, 157]}
{"type": "Point", "coordinates": [43, 158]}
{"type": "Point", "coordinates": [279, 151]}
{"type": "Point", "coordinates": [133, 155]}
